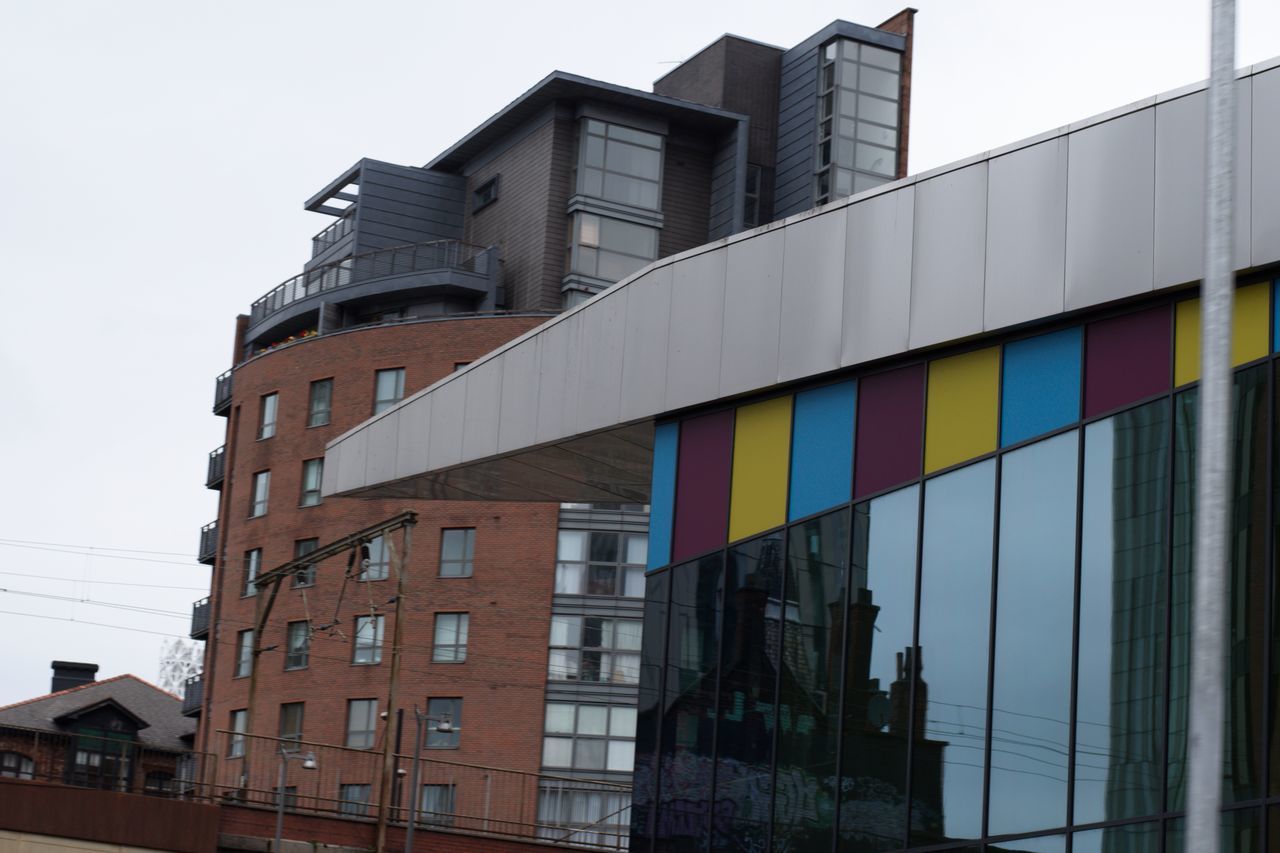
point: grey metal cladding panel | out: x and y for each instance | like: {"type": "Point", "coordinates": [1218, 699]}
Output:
{"type": "Point", "coordinates": [812, 295]}
{"type": "Point", "coordinates": [1266, 168]}
{"type": "Point", "coordinates": [723, 184]}
{"type": "Point", "coordinates": [644, 353]}
{"type": "Point", "coordinates": [411, 440]}
{"type": "Point", "coordinates": [877, 273]}
{"type": "Point", "coordinates": [948, 261]}
{"type": "Point", "coordinates": [697, 307]}
{"type": "Point", "coordinates": [444, 438]}
{"type": "Point", "coordinates": [518, 413]}
{"type": "Point", "coordinates": [1026, 233]}
{"type": "Point", "coordinates": [380, 463]}
{"type": "Point", "coordinates": [351, 465]}
{"type": "Point", "coordinates": [752, 302]}
{"type": "Point", "coordinates": [558, 379]}
{"type": "Point", "coordinates": [1111, 210]}
{"type": "Point", "coordinates": [484, 397]}
{"type": "Point", "coordinates": [600, 361]}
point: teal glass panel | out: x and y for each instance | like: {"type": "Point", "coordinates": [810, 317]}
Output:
{"type": "Point", "coordinates": [955, 601]}
{"type": "Point", "coordinates": [1241, 833]}
{"type": "Point", "coordinates": [1031, 694]}
{"type": "Point", "coordinates": [822, 449]}
{"type": "Point", "coordinates": [1120, 681]}
{"type": "Point", "coordinates": [1128, 838]}
{"type": "Point", "coordinates": [1040, 385]}
{"type": "Point", "coordinates": [877, 701]}
{"type": "Point", "coordinates": [666, 443]}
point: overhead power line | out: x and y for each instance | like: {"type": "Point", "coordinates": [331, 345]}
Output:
{"type": "Point", "coordinates": [92, 547]}
{"type": "Point", "coordinates": [104, 583]}
{"type": "Point", "coordinates": [92, 552]}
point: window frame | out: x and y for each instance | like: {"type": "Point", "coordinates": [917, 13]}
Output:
{"type": "Point", "coordinates": [574, 653]}
{"type": "Point", "coordinates": [367, 737]}
{"type": "Point", "coordinates": [268, 415]}
{"type": "Point", "coordinates": [456, 651]}
{"type": "Point", "coordinates": [297, 655]}
{"type": "Point", "coordinates": [381, 404]}
{"type": "Point", "coordinates": [311, 468]}
{"type": "Point", "coordinates": [244, 654]}
{"type": "Point", "coordinates": [16, 765]}
{"type": "Point", "coordinates": [260, 493]}
{"type": "Point", "coordinates": [574, 576]}
{"type": "Point", "coordinates": [237, 725]}
{"type": "Point", "coordinates": [315, 412]}
{"type": "Point", "coordinates": [374, 648]}
{"type": "Point", "coordinates": [440, 707]}
{"type": "Point", "coordinates": [379, 558]}
{"type": "Point", "coordinates": [464, 566]}
{"type": "Point", "coordinates": [485, 194]}
{"type": "Point", "coordinates": [350, 806]}
{"type": "Point", "coordinates": [294, 735]}
{"type": "Point", "coordinates": [576, 737]}
{"type": "Point", "coordinates": [436, 816]}
{"type": "Point", "coordinates": [306, 577]}
{"type": "Point", "coordinates": [252, 567]}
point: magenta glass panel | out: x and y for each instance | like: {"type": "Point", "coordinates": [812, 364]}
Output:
{"type": "Point", "coordinates": [702, 485]}
{"type": "Point", "coordinates": [890, 429]}
{"type": "Point", "coordinates": [1127, 358]}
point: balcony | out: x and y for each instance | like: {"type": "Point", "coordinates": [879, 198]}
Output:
{"type": "Point", "coordinates": [340, 228]}
{"type": "Point", "coordinates": [208, 544]}
{"type": "Point", "coordinates": [193, 696]}
{"type": "Point", "coordinates": [217, 468]}
{"type": "Point", "coordinates": [200, 619]}
{"type": "Point", "coordinates": [222, 394]}
{"type": "Point", "coordinates": [446, 268]}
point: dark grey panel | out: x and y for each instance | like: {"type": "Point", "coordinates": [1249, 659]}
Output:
{"type": "Point", "coordinates": [796, 132]}
{"type": "Point", "coordinates": [724, 184]}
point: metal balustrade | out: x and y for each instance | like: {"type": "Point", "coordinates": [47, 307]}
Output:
{"type": "Point", "coordinates": [208, 543]}
{"type": "Point", "coordinates": [217, 468]}
{"type": "Point", "coordinates": [200, 619]}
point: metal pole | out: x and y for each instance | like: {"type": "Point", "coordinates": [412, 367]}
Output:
{"type": "Point", "coordinates": [1204, 789]}
{"type": "Point", "coordinates": [284, 763]}
{"type": "Point", "coordinates": [413, 782]}
{"type": "Point", "coordinates": [388, 763]}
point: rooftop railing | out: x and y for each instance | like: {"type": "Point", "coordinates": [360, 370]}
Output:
{"type": "Point", "coordinates": [335, 231]}
{"type": "Point", "coordinates": [399, 260]}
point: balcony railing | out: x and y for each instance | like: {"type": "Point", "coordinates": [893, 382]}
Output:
{"type": "Point", "coordinates": [200, 619]}
{"type": "Point", "coordinates": [338, 229]}
{"type": "Point", "coordinates": [217, 468]}
{"type": "Point", "coordinates": [222, 394]}
{"type": "Point", "coordinates": [193, 695]}
{"type": "Point", "coordinates": [419, 257]}
{"type": "Point", "coordinates": [208, 543]}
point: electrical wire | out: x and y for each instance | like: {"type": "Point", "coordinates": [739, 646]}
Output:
{"type": "Point", "coordinates": [105, 583]}
{"type": "Point", "coordinates": [6, 540]}
{"type": "Point", "coordinates": [95, 553]}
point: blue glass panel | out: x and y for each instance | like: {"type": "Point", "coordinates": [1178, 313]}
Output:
{"type": "Point", "coordinates": [954, 629]}
{"type": "Point", "coordinates": [822, 449]}
{"type": "Point", "coordinates": [1131, 838]}
{"type": "Point", "coordinates": [666, 441]}
{"type": "Point", "coordinates": [1041, 385]}
{"type": "Point", "coordinates": [1275, 316]}
{"type": "Point", "coordinates": [1035, 584]}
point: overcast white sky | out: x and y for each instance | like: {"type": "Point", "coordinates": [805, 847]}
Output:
{"type": "Point", "coordinates": [155, 157]}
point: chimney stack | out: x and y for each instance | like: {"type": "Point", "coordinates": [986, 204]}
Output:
{"type": "Point", "coordinates": [68, 674]}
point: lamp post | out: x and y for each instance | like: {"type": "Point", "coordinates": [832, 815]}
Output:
{"type": "Point", "coordinates": [444, 725]}
{"type": "Point", "coordinates": [308, 763]}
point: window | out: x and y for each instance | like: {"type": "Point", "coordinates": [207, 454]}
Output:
{"type": "Point", "coordinates": [258, 499]}
{"type": "Point", "coordinates": [367, 647]}
{"type": "Point", "coordinates": [620, 164]}
{"type": "Point", "coordinates": [301, 548]}
{"type": "Point", "coordinates": [237, 726]}
{"type": "Point", "coordinates": [589, 737]}
{"type": "Point", "coordinates": [485, 194]}
{"type": "Point", "coordinates": [312, 473]}
{"type": "Point", "coordinates": [595, 649]}
{"type": "Point", "coordinates": [436, 805]}
{"type": "Point", "coordinates": [362, 722]}
{"type": "Point", "coordinates": [857, 119]}
{"type": "Point", "coordinates": [610, 249]}
{"type": "Point", "coordinates": [291, 722]}
{"type": "Point", "coordinates": [388, 388]}
{"type": "Point", "coordinates": [252, 568]}
{"type": "Point", "coordinates": [451, 638]}
{"type": "Point", "coordinates": [158, 783]}
{"type": "Point", "coordinates": [375, 567]}
{"type": "Point", "coordinates": [267, 415]}
{"type": "Point", "coordinates": [102, 759]}
{"type": "Point", "coordinates": [603, 815]}
{"type": "Point", "coordinates": [457, 548]}
{"type": "Point", "coordinates": [244, 653]}
{"type": "Point", "coordinates": [458, 365]}
{"type": "Point", "coordinates": [297, 645]}
{"type": "Point", "coordinates": [601, 563]}
{"type": "Point", "coordinates": [15, 765]}
{"type": "Point", "coordinates": [354, 800]}
{"type": "Point", "coordinates": [320, 403]}
{"type": "Point", "coordinates": [751, 209]}
{"type": "Point", "coordinates": [450, 709]}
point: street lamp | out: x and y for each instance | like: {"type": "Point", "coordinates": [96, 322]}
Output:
{"type": "Point", "coordinates": [308, 763]}
{"type": "Point", "coordinates": [444, 725]}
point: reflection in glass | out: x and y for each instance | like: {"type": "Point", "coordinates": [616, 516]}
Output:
{"type": "Point", "coordinates": [1117, 839]}
{"type": "Point", "coordinates": [877, 690]}
{"type": "Point", "coordinates": [684, 784]}
{"type": "Point", "coordinates": [955, 596]}
{"type": "Point", "coordinates": [1031, 694]}
{"type": "Point", "coordinates": [1241, 833]}
{"type": "Point", "coordinates": [1120, 682]}
{"type": "Point", "coordinates": [748, 681]}
{"type": "Point", "coordinates": [1246, 537]}
{"type": "Point", "coordinates": [1042, 844]}
{"type": "Point", "coordinates": [809, 691]}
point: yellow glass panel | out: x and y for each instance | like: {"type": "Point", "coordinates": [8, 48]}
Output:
{"type": "Point", "coordinates": [761, 457]}
{"type": "Point", "coordinates": [1250, 332]}
{"type": "Point", "coordinates": [960, 422]}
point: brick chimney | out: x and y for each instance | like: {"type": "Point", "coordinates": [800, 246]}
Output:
{"type": "Point", "coordinates": [67, 674]}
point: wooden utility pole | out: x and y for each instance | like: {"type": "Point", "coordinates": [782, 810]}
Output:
{"type": "Point", "coordinates": [388, 755]}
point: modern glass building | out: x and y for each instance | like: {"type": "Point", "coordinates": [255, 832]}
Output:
{"type": "Point", "coordinates": [921, 468]}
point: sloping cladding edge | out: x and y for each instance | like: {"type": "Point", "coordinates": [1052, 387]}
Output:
{"type": "Point", "coordinates": [565, 412]}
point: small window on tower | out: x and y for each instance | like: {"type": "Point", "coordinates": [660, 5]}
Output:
{"type": "Point", "coordinates": [485, 194]}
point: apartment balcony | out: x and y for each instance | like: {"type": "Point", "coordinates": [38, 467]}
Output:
{"type": "Point", "coordinates": [193, 696]}
{"type": "Point", "coordinates": [217, 468]}
{"type": "Point", "coordinates": [332, 235]}
{"type": "Point", "coordinates": [200, 619]}
{"type": "Point", "coordinates": [208, 544]}
{"type": "Point", "coordinates": [444, 269]}
{"type": "Point", "coordinates": [222, 394]}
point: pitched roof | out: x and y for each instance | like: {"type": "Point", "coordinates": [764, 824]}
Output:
{"type": "Point", "coordinates": [159, 709]}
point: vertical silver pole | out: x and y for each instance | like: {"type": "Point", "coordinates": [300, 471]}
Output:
{"type": "Point", "coordinates": [1204, 790]}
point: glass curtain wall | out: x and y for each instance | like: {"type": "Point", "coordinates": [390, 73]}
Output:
{"type": "Point", "coordinates": [995, 657]}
